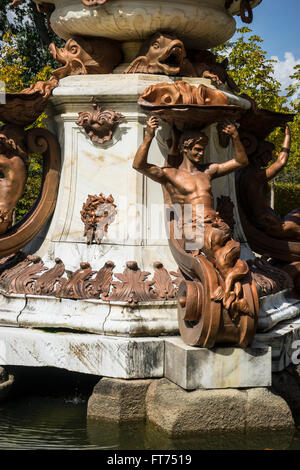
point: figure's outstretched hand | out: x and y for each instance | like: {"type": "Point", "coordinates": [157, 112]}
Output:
{"type": "Point", "coordinates": [287, 130]}
{"type": "Point", "coordinates": [229, 128]}
{"type": "Point", "coordinates": [152, 125]}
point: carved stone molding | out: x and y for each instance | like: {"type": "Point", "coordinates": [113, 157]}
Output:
{"type": "Point", "coordinates": [21, 274]}
{"type": "Point", "coordinates": [97, 213]}
{"type": "Point", "coordinates": [99, 125]}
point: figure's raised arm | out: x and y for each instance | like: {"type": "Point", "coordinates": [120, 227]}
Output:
{"type": "Point", "coordinates": [239, 160]}
{"type": "Point", "coordinates": [140, 160]}
{"type": "Point", "coordinates": [282, 158]}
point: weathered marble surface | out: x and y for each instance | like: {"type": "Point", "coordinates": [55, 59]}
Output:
{"type": "Point", "coordinates": [206, 24]}
{"type": "Point", "coordinates": [284, 339]}
{"type": "Point", "coordinates": [94, 316]}
{"type": "Point", "coordinates": [85, 353]}
{"type": "Point", "coordinates": [192, 368]}
{"type": "Point", "coordinates": [277, 308]}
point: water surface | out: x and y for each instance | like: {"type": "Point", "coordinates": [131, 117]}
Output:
{"type": "Point", "coordinates": [35, 422]}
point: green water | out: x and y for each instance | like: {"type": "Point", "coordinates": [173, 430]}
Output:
{"type": "Point", "coordinates": [60, 423]}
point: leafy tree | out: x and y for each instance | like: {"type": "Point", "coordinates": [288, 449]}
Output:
{"type": "Point", "coordinates": [31, 37]}
{"type": "Point", "coordinates": [254, 74]}
{"type": "Point", "coordinates": [12, 74]}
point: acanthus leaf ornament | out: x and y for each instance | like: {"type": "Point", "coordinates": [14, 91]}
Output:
{"type": "Point", "coordinates": [21, 274]}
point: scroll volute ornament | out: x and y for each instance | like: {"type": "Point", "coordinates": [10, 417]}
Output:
{"type": "Point", "coordinates": [99, 125]}
{"type": "Point", "coordinates": [43, 142]}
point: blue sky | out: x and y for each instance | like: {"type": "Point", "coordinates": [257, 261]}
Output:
{"type": "Point", "coordinates": [278, 24]}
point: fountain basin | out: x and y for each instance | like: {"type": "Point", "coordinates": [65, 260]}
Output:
{"type": "Point", "coordinates": [200, 23]}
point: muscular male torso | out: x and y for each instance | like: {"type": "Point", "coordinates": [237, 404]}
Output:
{"type": "Point", "coordinates": [190, 188]}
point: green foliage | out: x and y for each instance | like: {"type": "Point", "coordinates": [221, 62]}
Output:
{"type": "Point", "coordinates": [287, 197]}
{"type": "Point", "coordinates": [251, 70]}
{"type": "Point", "coordinates": [11, 72]}
{"type": "Point", "coordinates": [33, 186]}
{"type": "Point", "coordinates": [31, 37]}
{"type": "Point", "coordinates": [253, 73]}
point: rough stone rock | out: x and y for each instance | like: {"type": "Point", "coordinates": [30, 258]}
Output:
{"type": "Point", "coordinates": [287, 384]}
{"type": "Point", "coordinates": [267, 410]}
{"type": "Point", "coordinates": [118, 400]}
{"type": "Point", "coordinates": [181, 413]}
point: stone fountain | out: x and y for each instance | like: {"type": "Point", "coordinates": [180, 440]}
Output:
{"type": "Point", "coordinates": [96, 263]}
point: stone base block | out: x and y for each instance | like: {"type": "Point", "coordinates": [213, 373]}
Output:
{"type": "Point", "coordinates": [217, 368]}
{"type": "Point", "coordinates": [182, 413]}
{"type": "Point", "coordinates": [110, 356]}
{"type": "Point", "coordinates": [118, 400]}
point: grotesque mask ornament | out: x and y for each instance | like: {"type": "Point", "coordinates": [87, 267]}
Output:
{"type": "Point", "coordinates": [99, 125]}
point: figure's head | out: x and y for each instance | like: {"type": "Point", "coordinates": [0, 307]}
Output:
{"type": "Point", "coordinates": [193, 144]}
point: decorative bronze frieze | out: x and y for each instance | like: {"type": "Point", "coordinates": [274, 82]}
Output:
{"type": "Point", "coordinates": [21, 274]}
{"type": "Point", "coordinates": [97, 213]}
{"type": "Point", "coordinates": [99, 125]}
